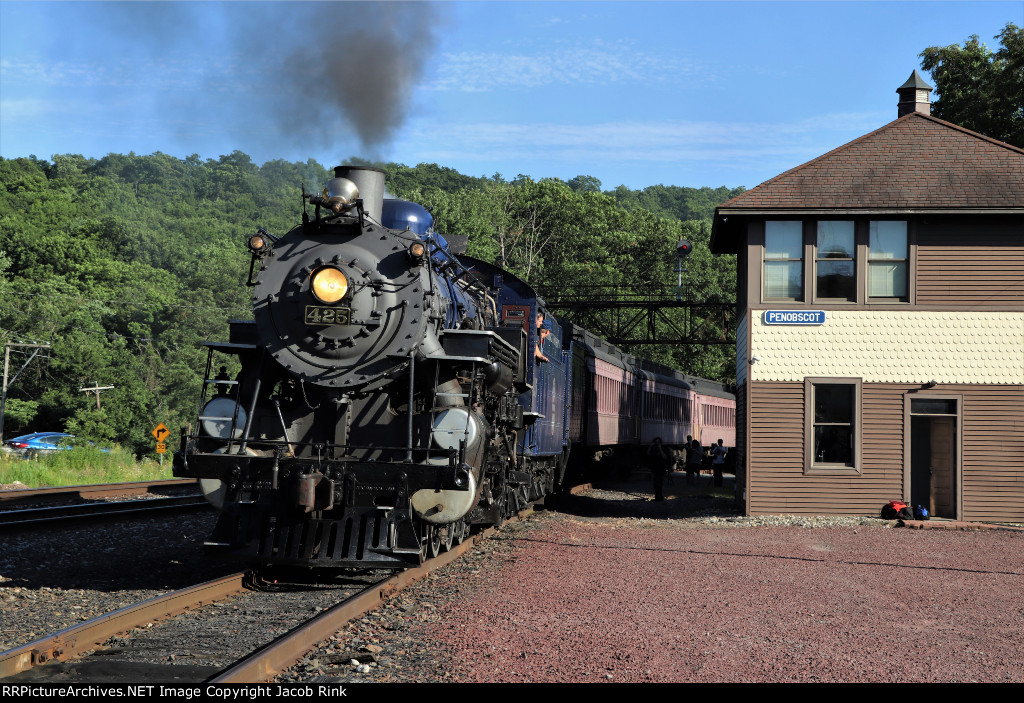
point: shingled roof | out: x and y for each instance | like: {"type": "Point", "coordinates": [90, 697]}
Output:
{"type": "Point", "coordinates": [915, 163]}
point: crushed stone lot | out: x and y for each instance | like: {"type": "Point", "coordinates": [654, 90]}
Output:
{"type": "Point", "coordinates": [613, 587]}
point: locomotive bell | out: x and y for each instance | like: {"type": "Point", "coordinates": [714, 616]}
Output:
{"type": "Point", "coordinates": [341, 191]}
{"type": "Point", "coordinates": [370, 183]}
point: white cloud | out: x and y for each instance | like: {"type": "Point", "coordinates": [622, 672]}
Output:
{"type": "Point", "coordinates": [123, 74]}
{"type": "Point", "coordinates": [738, 143]}
{"type": "Point", "coordinates": [596, 64]}
{"type": "Point", "coordinates": [23, 109]}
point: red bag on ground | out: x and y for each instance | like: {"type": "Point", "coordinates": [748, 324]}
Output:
{"type": "Point", "coordinates": [891, 510]}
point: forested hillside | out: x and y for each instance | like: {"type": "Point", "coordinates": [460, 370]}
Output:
{"type": "Point", "coordinates": [125, 264]}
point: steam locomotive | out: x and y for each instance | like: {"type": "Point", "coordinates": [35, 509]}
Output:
{"type": "Point", "coordinates": [390, 394]}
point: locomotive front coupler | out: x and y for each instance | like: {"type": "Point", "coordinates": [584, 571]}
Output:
{"type": "Point", "coordinates": [314, 491]}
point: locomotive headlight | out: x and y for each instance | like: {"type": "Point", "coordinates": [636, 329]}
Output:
{"type": "Point", "coordinates": [257, 243]}
{"type": "Point", "coordinates": [417, 251]}
{"type": "Point", "coordinates": [329, 285]}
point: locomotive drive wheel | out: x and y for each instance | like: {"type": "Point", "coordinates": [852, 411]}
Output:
{"type": "Point", "coordinates": [449, 535]}
{"type": "Point", "coordinates": [459, 530]}
{"type": "Point", "coordinates": [523, 497]}
{"type": "Point", "coordinates": [434, 541]}
{"type": "Point", "coordinates": [508, 503]}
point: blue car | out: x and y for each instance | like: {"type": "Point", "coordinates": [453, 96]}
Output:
{"type": "Point", "coordinates": [38, 443]}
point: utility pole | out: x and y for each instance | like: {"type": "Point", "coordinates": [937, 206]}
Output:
{"type": "Point", "coordinates": [7, 363]}
{"type": "Point", "coordinates": [96, 388]}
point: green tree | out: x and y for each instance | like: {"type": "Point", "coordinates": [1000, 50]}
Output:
{"type": "Point", "coordinates": [587, 184]}
{"type": "Point", "coordinates": [126, 264]}
{"type": "Point", "coordinates": [980, 89]}
{"type": "Point", "coordinates": [676, 202]}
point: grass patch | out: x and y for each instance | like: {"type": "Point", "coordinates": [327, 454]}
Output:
{"type": "Point", "coordinates": [81, 466]}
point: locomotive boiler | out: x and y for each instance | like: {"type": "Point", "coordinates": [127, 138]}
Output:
{"type": "Point", "coordinates": [390, 394]}
{"type": "Point", "coordinates": [368, 414]}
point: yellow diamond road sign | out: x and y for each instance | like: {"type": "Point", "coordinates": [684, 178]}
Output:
{"type": "Point", "coordinates": [161, 432]}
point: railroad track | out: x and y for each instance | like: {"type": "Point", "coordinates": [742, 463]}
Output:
{"type": "Point", "coordinates": [92, 491]}
{"type": "Point", "coordinates": [65, 653]}
{"type": "Point", "coordinates": [33, 517]}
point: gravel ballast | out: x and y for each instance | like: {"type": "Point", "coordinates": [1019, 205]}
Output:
{"type": "Point", "coordinates": [575, 596]}
{"type": "Point", "coordinates": [606, 587]}
{"type": "Point", "coordinates": [57, 576]}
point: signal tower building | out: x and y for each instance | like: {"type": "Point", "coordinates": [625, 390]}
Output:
{"type": "Point", "coordinates": [880, 351]}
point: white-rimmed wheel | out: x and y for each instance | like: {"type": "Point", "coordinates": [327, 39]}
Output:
{"type": "Point", "coordinates": [433, 541]}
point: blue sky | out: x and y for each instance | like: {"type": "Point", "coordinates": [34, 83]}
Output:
{"type": "Point", "coordinates": [634, 93]}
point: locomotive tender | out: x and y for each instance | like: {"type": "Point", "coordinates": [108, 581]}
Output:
{"type": "Point", "coordinates": [386, 395]}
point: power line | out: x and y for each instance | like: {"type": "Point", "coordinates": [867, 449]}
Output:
{"type": "Point", "coordinates": [21, 337]}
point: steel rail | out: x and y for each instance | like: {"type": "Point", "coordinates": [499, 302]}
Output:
{"type": "Point", "coordinates": [78, 639]}
{"type": "Point", "coordinates": [97, 490]}
{"type": "Point", "coordinates": [264, 663]}
{"type": "Point", "coordinates": [94, 511]}
{"type": "Point", "coordinates": [270, 660]}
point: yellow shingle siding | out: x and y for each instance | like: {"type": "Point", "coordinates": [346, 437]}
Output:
{"type": "Point", "coordinates": [893, 347]}
{"type": "Point", "coordinates": [741, 351]}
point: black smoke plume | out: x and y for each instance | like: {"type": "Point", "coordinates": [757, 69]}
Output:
{"type": "Point", "coordinates": [311, 73]}
{"type": "Point", "coordinates": [354, 63]}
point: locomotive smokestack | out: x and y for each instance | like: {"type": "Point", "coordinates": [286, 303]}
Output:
{"type": "Point", "coordinates": [370, 182]}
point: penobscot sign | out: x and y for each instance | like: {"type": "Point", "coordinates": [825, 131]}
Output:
{"type": "Point", "coordinates": [794, 317]}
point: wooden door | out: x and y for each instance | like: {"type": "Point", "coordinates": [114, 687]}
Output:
{"type": "Point", "coordinates": [942, 442]}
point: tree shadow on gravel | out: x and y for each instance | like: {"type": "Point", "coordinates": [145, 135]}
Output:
{"type": "Point", "coordinates": [633, 497]}
{"type": "Point", "coordinates": [126, 555]}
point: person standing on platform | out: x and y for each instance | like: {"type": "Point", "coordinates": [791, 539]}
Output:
{"type": "Point", "coordinates": [718, 464]}
{"type": "Point", "coordinates": [694, 455]}
{"type": "Point", "coordinates": [658, 460]}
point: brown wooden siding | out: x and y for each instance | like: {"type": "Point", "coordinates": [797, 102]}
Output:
{"type": "Point", "coordinates": [963, 264]}
{"type": "Point", "coordinates": [993, 453]}
{"type": "Point", "coordinates": [740, 460]}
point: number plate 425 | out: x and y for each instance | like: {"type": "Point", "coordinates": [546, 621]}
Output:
{"type": "Point", "coordinates": [322, 315]}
